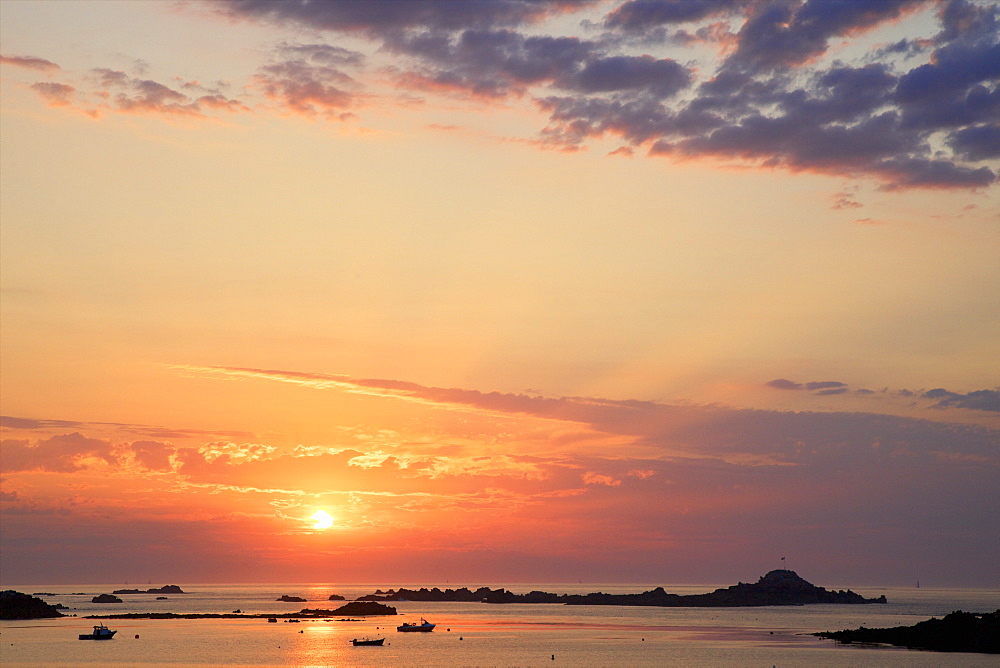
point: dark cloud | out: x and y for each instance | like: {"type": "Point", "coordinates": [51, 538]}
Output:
{"type": "Point", "coordinates": [781, 34]}
{"type": "Point", "coordinates": [825, 385]}
{"type": "Point", "coordinates": [379, 19]}
{"type": "Point", "coordinates": [979, 400]}
{"type": "Point", "coordinates": [774, 100]}
{"type": "Point", "coordinates": [820, 388]}
{"type": "Point", "coordinates": [641, 15]}
{"type": "Point", "coordinates": [977, 142]}
{"type": "Point", "coordinates": [662, 78]}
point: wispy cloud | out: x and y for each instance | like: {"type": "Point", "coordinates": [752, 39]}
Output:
{"type": "Point", "coordinates": [30, 63]}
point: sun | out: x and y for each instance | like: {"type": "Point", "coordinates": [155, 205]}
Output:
{"type": "Point", "coordinates": [323, 520]}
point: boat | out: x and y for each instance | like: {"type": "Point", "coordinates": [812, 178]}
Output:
{"type": "Point", "coordinates": [424, 625]}
{"type": "Point", "coordinates": [101, 632]}
{"type": "Point", "coordinates": [367, 641]}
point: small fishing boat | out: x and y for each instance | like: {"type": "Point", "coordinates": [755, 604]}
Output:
{"type": "Point", "coordinates": [101, 632]}
{"type": "Point", "coordinates": [424, 625]}
{"type": "Point", "coordinates": [367, 641]}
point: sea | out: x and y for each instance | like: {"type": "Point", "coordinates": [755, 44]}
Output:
{"type": "Point", "coordinates": [474, 634]}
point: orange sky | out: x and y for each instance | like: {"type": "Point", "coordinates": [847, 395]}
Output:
{"type": "Point", "coordinates": [516, 293]}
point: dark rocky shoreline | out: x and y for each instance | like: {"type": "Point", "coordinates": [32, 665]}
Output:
{"type": "Point", "coordinates": [15, 605]}
{"type": "Point", "coordinates": [956, 632]}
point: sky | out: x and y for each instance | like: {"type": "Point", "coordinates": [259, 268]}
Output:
{"type": "Point", "coordinates": [621, 291]}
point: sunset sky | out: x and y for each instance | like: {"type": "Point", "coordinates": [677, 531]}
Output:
{"type": "Point", "coordinates": [642, 291]}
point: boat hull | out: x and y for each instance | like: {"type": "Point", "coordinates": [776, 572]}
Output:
{"type": "Point", "coordinates": [360, 643]}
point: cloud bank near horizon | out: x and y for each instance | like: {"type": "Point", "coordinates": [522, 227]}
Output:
{"type": "Point", "coordinates": [798, 86]}
{"type": "Point", "coordinates": [520, 469]}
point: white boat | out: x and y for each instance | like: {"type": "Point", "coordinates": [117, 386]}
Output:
{"type": "Point", "coordinates": [424, 625]}
{"type": "Point", "coordinates": [101, 632]}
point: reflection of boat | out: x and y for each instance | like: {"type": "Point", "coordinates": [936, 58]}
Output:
{"type": "Point", "coordinates": [367, 641]}
{"type": "Point", "coordinates": [101, 632]}
{"type": "Point", "coordinates": [424, 625]}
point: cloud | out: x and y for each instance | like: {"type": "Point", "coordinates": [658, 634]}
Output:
{"type": "Point", "coordinates": [308, 79]}
{"type": "Point", "coordinates": [30, 63]}
{"type": "Point", "coordinates": [142, 96]}
{"type": "Point", "coordinates": [642, 15]}
{"type": "Point", "coordinates": [63, 454]}
{"type": "Point", "coordinates": [11, 422]}
{"type": "Point", "coordinates": [825, 385]}
{"type": "Point", "coordinates": [783, 34]}
{"type": "Point", "coordinates": [56, 94]}
{"type": "Point", "coordinates": [153, 455]}
{"type": "Point", "coordinates": [979, 400]}
{"type": "Point", "coordinates": [388, 19]}
{"type": "Point", "coordinates": [914, 113]}
{"type": "Point", "coordinates": [674, 482]}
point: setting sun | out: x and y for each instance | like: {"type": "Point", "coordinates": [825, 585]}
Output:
{"type": "Point", "coordinates": [323, 520]}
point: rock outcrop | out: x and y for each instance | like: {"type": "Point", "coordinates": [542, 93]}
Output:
{"type": "Point", "coordinates": [15, 605]}
{"type": "Point", "coordinates": [291, 599]}
{"type": "Point", "coordinates": [106, 598]}
{"type": "Point", "coordinates": [359, 608]}
{"type": "Point", "coordinates": [780, 587]}
{"type": "Point", "coordinates": [165, 589]}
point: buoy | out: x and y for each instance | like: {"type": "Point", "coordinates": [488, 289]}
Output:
{"type": "Point", "coordinates": [136, 636]}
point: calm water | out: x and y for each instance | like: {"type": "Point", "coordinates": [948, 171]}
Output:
{"type": "Point", "coordinates": [476, 634]}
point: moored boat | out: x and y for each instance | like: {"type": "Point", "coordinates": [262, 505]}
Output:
{"type": "Point", "coordinates": [367, 641]}
{"type": "Point", "coordinates": [101, 632]}
{"type": "Point", "coordinates": [424, 625]}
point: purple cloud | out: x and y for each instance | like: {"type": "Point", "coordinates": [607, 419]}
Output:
{"type": "Point", "coordinates": [979, 400]}
{"type": "Point", "coordinates": [782, 34]}
{"type": "Point", "coordinates": [57, 94]}
{"type": "Point", "coordinates": [771, 101]}
{"type": "Point", "coordinates": [30, 63]}
{"type": "Point", "coordinates": [308, 79]}
{"type": "Point", "coordinates": [825, 385]}
{"type": "Point", "coordinates": [381, 19]}
{"type": "Point", "coordinates": [641, 15]}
